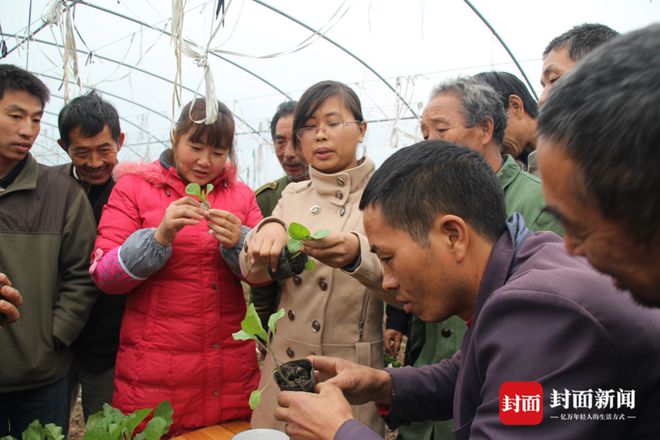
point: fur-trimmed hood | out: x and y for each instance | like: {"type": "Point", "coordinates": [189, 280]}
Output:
{"type": "Point", "coordinates": [158, 171]}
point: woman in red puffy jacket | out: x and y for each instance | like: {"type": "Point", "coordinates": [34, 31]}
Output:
{"type": "Point", "coordinates": [164, 249]}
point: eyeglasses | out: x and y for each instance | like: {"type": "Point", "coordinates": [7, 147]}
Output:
{"type": "Point", "coordinates": [332, 127]}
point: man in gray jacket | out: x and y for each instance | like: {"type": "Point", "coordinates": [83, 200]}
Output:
{"type": "Point", "coordinates": [47, 232]}
{"type": "Point", "coordinates": [552, 350]}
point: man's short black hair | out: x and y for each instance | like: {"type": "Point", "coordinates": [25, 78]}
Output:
{"type": "Point", "coordinates": [507, 84]}
{"type": "Point", "coordinates": [420, 182]}
{"type": "Point", "coordinates": [605, 116]}
{"type": "Point", "coordinates": [90, 114]}
{"type": "Point", "coordinates": [284, 109]}
{"type": "Point", "coordinates": [581, 39]}
{"type": "Point", "coordinates": [14, 78]}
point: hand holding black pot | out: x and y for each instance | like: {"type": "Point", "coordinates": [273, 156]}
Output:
{"type": "Point", "coordinates": [313, 416]}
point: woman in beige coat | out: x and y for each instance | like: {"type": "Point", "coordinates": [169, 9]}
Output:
{"type": "Point", "coordinates": [336, 309]}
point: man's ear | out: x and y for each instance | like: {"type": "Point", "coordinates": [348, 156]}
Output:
{"type": "Point", "coordinates": [516, 107]}
{"type": "Point", "coordinates": [451, 232]}
{"type": "Point", "coordinates": [488, 128]}
{"type": "Point", "coordinates": [60, 142]}
{"type": "Point", "coordinates": [120, 140]}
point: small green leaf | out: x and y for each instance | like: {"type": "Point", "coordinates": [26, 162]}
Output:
{"type": "Point", "coordinates": [310, 265]}
{"type": "Point", "coordinates": [193, 189]}
{"type": "Point", "coordinates": [155, 429]}
{"type": "Point", "coordinates": [8, 437]}
{"type": "Point", "coordinates": [320, 234]}
{"type": "Point", "coordinates": [255, 399]}
{"type": "Point", "coordinates": [133, 420]}
{"type": "Point", "coordinates": [272, 320]}
{"type": "Point", "coordinates": [53, 432]}
{"type": "Point", "coordinates": [299, 232]}
{"type": "Point", "coordinates": [294, 245]}
{"type": "Point", "coordinates": [164, 408]}
{"type": "Point", "coordinates": [241, 335]}
{"type": "Point", "coordinates": [34, 431]}
{"type": "Point", "coordinates": [209, 188]}
{"type": "Point", "coordinates": [251, 324]}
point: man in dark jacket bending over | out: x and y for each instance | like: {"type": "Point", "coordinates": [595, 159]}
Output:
{"type": "Point", "coordinates": [434, 214]}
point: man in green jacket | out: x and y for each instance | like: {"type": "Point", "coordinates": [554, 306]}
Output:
{"type": "Point", "coordinates": [469, 112]}
{"type": "Point", "coordinates": [47, 232]}
{"type": "Point", "coordinates": [265, 299]}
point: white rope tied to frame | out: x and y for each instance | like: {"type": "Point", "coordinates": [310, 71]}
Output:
{"type": "Point", "coordinates": [53, 16]}
{"type": "Point", "coordinates": [199, 56]}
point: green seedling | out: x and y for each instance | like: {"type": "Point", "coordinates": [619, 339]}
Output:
{"type": "Point", "coordinates": [202, 193]}
{"type": "Point", "coordinates": [299, 233]}
{"type": "Point", "coordinates": [251, 328]}
{"type": "Point", "coordinates": [391, 361]}
{"type": "Point", "coordinates": [110, 424]}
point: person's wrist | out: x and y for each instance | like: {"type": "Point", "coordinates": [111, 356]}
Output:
{"type": "Point", "coordinates": [384, 387]}
{"type": "Point", "coordinates": [158, 237]}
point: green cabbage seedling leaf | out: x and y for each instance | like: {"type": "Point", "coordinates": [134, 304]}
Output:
{"type": "Point", "coordinates": [299, 232]}
{"type": "Point", "coordinates": [164, 408]}
{"type": "Point", "coordinates": [310, 265]}
{"type": "Point", "coordinates": [156, 428]}
{"type": "Point", "coordinates": [209, 188]}
{"type": "Point", "coordinates": [272, 320]}
{"type": "Point", "coordinates": [241, 335]}
{"type": "Point", "coordinates": [193, 189]}
{"type": "Point", "coordinates": [320, 234]}
{"type": "Point", "coordinates": [34, 431]}
{"type": "Point", "coordinates": [251, 325]}
{"type": "Point", "coordinates": [133, 420]}
{"type": "Point", "coordinates": [53, 432]}
{"type": "Point", "coordinates": [255, 399]}
{"type": "Point", "coordinates": [294, 245]}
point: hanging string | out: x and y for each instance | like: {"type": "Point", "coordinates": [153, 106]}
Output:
{"type": "Point", "coordinates": [199, 56]}
{"type": "Point", "coordinates": [177, 41]}
{"type": "Point", "coordinates": [53, 17]}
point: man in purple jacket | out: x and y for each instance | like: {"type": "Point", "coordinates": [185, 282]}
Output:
{"type": "Point", "coordinates": [552, 350]}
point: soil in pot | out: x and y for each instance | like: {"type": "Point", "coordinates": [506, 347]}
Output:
{"type": "Point", "coordinates": [296, 375]}
{"type": "Point", "coordinates": [289, 265]}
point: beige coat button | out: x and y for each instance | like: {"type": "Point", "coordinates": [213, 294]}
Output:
{"type": "Point", "coordinates": [316, 326]}
{"type": "Point", "coordinates": [342, 211]}
{"type": "Point", "coordinates": [315, 209]}
{"type": "Point", "coordinates": [297, 280]}
{"type": "Point", "coordinates": [291, 315]}
{"type": "Point", "coordinates": [290, 352]}
{"type": "Point", "coordinates": [340, 181]}
{"type": "Point", "coordinates": [339, 194]}
{"type": "Point", "coordinates": [323, 284]}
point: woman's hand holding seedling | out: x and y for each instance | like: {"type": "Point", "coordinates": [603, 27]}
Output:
{"type": "Point", "coordinates": [267, 243]}
{"type": "Point", "coordinates": [180, 213]}
{"type": "Point", "coordinates": [225, 226]}
{"type": "Point", "coordinates": [338, 249]}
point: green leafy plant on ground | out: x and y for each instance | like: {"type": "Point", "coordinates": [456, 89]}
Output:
{"type": "Point", "coordinates": [202, 193]}
{"type": "Point", "coordinates": [251, 328]}
{"type": "Point", "coordinates": [110, 424]}
{"type": "Point", "coordinates": [36, 431]}
{"type": "Point", "coordinates": [299, 233]}
{"type": "Point", "coordinates": [392, 361]}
